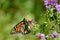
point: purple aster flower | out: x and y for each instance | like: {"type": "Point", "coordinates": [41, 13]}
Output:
{"type": "Point", "coordinates": [30, 21]}
{"type": "Point", "coordinates": [57, 6]}
{"type": "Point", "coordinates": [42, 36]}
{"type": "Point", "coordinates": [49, 2]}
{"type": "Point", "coordinates": [54, 34]}
{"type": "Point", "coordinates": [38, 35]}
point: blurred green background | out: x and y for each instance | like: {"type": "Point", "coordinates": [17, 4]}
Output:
{"type": "Point", "coordinates": [13, 11]}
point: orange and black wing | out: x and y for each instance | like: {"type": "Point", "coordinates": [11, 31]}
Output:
{"type": "Point", "coordinates": [26, 27]}
{"type": "Point", "coordinates": [17, 28]}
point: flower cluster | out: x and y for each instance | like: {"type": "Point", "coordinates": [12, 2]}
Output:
{"type": "Point", "coordinates": [53, 3]}
{"type": "Point", "coordinates": [50, 2]}
{"type": "Point", "coordinates": [54, 34]}
{"type": "Point", "coordinates": [43, 37]}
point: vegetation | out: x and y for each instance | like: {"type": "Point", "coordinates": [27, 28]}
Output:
{"type": "Point", "coordinates": [45, 22]}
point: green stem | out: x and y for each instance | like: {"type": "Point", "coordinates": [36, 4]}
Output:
{"type": "Point", "coordinates": [58, 21]}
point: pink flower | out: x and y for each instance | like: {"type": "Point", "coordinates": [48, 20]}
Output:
{"type": "Point", "coordinates": [49, 2]}
{"type": "Point", "coordinates": [57, 6]}
{"type": "Point", "coordinates": [42, 36]}
{"type": "Point", "coordinates": [30, 21]}
{"type": "Point", "coordinates": [54, 34]}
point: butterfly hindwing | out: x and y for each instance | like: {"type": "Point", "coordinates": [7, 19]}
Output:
{"type": "Point", "coordinates": [27, 29]}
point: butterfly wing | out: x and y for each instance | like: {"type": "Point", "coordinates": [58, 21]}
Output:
{"type": "Point", "coordinates": [17, 28]}
{"type": "Point", "coordinates": [27, 27]}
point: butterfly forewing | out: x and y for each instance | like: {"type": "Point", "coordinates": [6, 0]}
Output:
{"type": "Point", "coordinates": [17, 28]}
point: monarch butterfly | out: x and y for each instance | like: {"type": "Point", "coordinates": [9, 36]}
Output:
{"type": "Point", "coordinates": [22, 27]}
